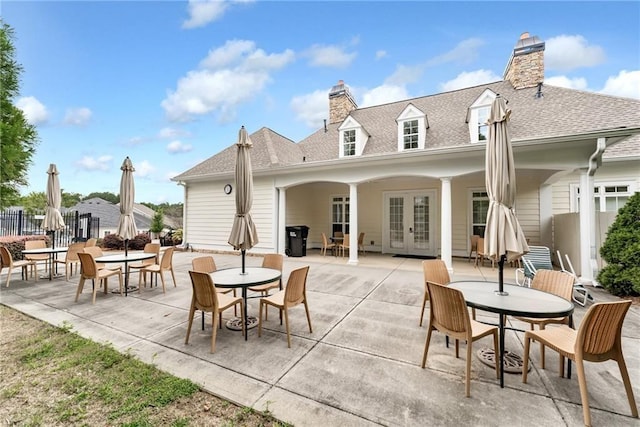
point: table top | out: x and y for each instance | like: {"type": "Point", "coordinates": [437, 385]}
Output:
{"type": "Point", "coordinates": [521, 301]}
{"type": "Point", "coordinates": [131, 256]}
{"type": "Point", "coordinates": [45, 250]}
{"type": "Point", "coordinates": [232, 277]}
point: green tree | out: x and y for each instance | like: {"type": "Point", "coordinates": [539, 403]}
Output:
{"type": "Point", "coordinates": [70, 199]}
{"type": "Point", "coordinates": [19, 137]}
{"type": "Point", "coordinates": [621, 251]}
{"type": "Point", "coordinates": [34, 202]}
{"type": "Point", "coordinates": [157, 224]}
{"type": "Point", "coordinates": [105, 195]}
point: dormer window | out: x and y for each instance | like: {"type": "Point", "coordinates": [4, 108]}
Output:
{"type": "Point", "coordinates": [477, 117]}
{"type": "Point", "coordinates": [353, 138]}
{"type": "Point", "coordinates": [412, 129]}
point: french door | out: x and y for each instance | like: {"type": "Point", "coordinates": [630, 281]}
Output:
{"type": "Point", "coordinates": [409, 222]}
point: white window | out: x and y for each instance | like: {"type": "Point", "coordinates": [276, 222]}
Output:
{"type": "Point", "coordinates": [477, 117]}
{"type": "Point", "coordinates": [607, 197]}
{"type": "Point", "coordinates": [340, 215]}
{"type": "Point", "coordinates": [479, 208]}
{"type": "Point", "coordinates": [353, 138]}
{"type": "Point", "coordinates": [412, 129]}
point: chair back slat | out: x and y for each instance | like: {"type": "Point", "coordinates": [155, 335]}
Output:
{"type": "Point", "coordinates": [204, 264]}
{"type": "Point", "coordinates": [274, 261]}
{"type": "Point", "coordinates": [35, 244]}
{"type": "Point", "coordinates": [435, 271]}
{"type": "Point", "coordinates": [88, 265]}
{"type": "Point", "coordinates": [295, 291]}
{"type": "Point", "coordinates": [205, 297]}
{"type": "Point", "coordinates": [73, 250]}
{"type": "Point", "coordinates": [538, 257]}
{"type": "Point", "coordinates": [554, 282]}
{"type": "Point", "coordinates": [167, 257]}
{"type": "Point", "coordinates": [5, 255]}
{"type": "Point", "coordinates": [448, 308]}
{"type": "Point", "coordinates": [601, 327]}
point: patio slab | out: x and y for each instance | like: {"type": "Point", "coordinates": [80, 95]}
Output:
{"type": "Point", "coordinates": [361, 364]}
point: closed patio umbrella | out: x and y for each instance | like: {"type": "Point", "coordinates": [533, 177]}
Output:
{"type": "Point", "coordinates": [503, 237]}
{"type": "Point", "coordinates": [127, 224]}
{"type": "Point", "coordinates": [243, 233]}
{"type": "Point", "coordinates": [52, 218]}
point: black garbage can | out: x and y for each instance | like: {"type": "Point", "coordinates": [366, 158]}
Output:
{"type": "Point", "coordinates": [297, 240]}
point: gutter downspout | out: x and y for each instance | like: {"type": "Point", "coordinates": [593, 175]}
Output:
{"type": "Point", "coordinates": [588, 259]}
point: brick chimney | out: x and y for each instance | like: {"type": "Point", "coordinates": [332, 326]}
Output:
{"type": "Point", "coordinates": [526, 65]}
{"type": "Point", "coordinates": [341, 103]}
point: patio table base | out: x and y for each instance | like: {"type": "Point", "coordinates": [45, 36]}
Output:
{"type": "Point", "coordinates": [236, 323]}
{"type": "Point", "coordinates": [512, 362]}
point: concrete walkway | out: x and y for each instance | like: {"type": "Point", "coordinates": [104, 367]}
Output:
{"type": "Point", "coordinates": [361, 364]}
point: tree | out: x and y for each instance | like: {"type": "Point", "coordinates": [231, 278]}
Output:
{"type": "Point", "coordinates": [621, 251]}
{"type": "Point", "coordinates": [19, 137]}
{"type": "Point", "coordinates": [34, 202]}
{"type": "Point", "coordinates": [157, 224]}
{"type": "Point", "coordinates": [105, 195]}
{"type": "Point", "coordinates": [70, 199]}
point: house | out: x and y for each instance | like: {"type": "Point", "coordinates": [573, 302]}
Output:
{"type": "Point", "coordinates": [109, 215]}
{"type": "Point", "coordinates": [410, 174]}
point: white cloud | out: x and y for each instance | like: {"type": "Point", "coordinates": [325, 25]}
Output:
{"type": "Point", "coordinates": [329, 56]}
{"type": "Point", "coordinates": [170, 133]}
{"type": "Point", "coordinates": [565, 53]}
{"type": "Point", "coordinates": [178, 147]}
{"type": "Point", "coordinates": [626, 83]}
{"type": "Point", "coordinates": [135, 140]}
{"type": "Point", "coordinates": [311, 109]}
{"type": "Point", "coordinates": [469, 79]}
{"type": "Point", "coordinates": [202, 12]}
{"type": "Point", "coordinates": [405, 74]}
{"type": "Point", "coordinates": [381, 54]}
{"type": "Point", "coordinates": [384, 94]}
{"type": "Point", "coordinates": [465, 52]}
{"type": "Point", "coordinates": [579, 83]}
{"type": "Point", "coordinates": [143, 169]}
{"type": "Point", "coordinates": [34, 111]}
{"type": "Point", "coordinates": [229, 76]}
{"type": "Point", "coordinates": [102, 163]}
{"type": "Point", "coordinates": [77, 116]}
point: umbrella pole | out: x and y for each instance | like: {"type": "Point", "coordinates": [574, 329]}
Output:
{"type": "Point", "coordinates": [501, 291]}
{"type": "Point", "coordinates": [126, 247]}
{"type": "Point", "coordinates": [243, 252]}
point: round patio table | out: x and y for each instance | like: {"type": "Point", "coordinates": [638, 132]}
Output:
{"type": "Point", "coordinates": [235, 278]}
{"type": "Point", "coordinates": [520, 301]}
{"type": "Point", "coordinates": [52, 252]}
{"type": "Point", "coordinates": [122, 258]}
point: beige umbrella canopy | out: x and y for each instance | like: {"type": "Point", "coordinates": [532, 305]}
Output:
{"type": "Point", "coordinates": [503, 237]}
{"type": "Point", "coordinates": [52, 218]}
{"type": "Point", "coordinates": [243, 233]}
{"type": "Point", "coordinates": [127, 225]}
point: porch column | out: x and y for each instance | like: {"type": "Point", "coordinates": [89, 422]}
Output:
{"type": "Point", "coordinates": [586, 225]}
{"type": "Point", "coordinates": [445, 223]}
{"type": "Point", "coordinates": [353, 224]}
{"type": "Point", "coordinates": [282, 218]}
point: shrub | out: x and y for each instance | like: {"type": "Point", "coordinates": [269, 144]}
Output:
{"type": "Point", "coordinates": [621, 251]}
{"type": "Point", "coordinates": [112, 241]}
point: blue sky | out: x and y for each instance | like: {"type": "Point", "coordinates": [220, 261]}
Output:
{"type": "Point", "coordinates": [169, 83]}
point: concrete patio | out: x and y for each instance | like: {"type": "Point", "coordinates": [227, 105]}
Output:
{"type": "Point", "coordinates": [361, 364]}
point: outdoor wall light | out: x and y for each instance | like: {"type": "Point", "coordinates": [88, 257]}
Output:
{"type": "Point", "coordinates": [227, 189]}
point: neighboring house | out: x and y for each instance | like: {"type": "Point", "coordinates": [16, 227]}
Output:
{"type": "Point", "coordinates": [109, 215]}
{"type": "Point", "coordinates": [147, 212]}
{"type": "Point", "coordinates": [410, 174]}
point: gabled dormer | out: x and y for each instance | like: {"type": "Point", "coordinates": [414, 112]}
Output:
{"type": "Point", "coordinates": [477, 116]}
{"type": "Point", "coordinates": [353, 138]}
{"type": "Point", "coordinates": [412, 128]}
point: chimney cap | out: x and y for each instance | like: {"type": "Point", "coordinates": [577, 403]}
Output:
{"type": "Point", "coordinates": [528, 44]}
{"type": "Point", "coordinates": [339, 88]}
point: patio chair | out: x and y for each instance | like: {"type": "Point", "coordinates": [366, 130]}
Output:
{"type": "Point", "coordinates": [580, 294]}
{"type": "Point", "coordinates": [434, 271]}
{"type": "Point", "coordinates": [150, 248]}
{"type": "Point", "coordinates": [274, 261]}
{"type": "Point", "coordinates": [474, 245]}
{"type": "Point", "coordinates": [96, 252]}
{"type": "Point", "coordinates": [361, 243]}
{"type": "Point", "coordinates": [38, 258]}
{"type": "Point", "coordinates": [206, 299]}
{"type": "Point", "coordinates": [326, 245]}
{"type": "Point", "coordinates": [10, 264]}
{"type": "Point", "coordinates": [449, 315]}
{"type": "Point", "coordinates": [598, 339]}
{"type": "Point", "coordinates": [91, 242]}
{"type": "Point", "coordinates": [206, 264]}
{"type": "Point", "coordinates": [71, 259]}
{"type": "Point", "coordinates": [90, 270]}
{"type": "Point", "coordinates": [166, 264]}
{"type": "Point", "coordinates": [295, 293]}
{"type": "Point", "coordinates": [480, 255]}
{"type": "Point", "coordinates": [344, 246]}
{"type": "Point", "coordinates": [553, 282]}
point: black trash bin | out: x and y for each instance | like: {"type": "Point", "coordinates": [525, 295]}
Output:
{"type": "Point", "coordinates": [297, 240]}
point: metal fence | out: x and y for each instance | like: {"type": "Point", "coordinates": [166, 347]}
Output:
{"type": "Point", "coordinates": [78, 227]}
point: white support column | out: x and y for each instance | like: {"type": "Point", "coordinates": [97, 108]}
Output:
{"type": "Point", "coordinates": [353, 224]}
{"type": "Point", "coordinates": [282, 218]}
{"type": "Point", "coordinates": [586, 225]}
{"type": "Point", "coordinates": [445, 223]}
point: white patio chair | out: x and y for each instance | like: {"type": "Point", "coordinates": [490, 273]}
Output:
{"type": "Point", "coordinates": [580, 294]}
